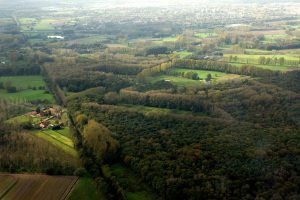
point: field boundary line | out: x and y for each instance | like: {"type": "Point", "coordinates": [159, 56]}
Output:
{"type": "Point", "coordinates": [9, 188]}
{"type": "Point", "coordinates": [69, 190]}
{"type": "Point", "coordinates": [49, 135]}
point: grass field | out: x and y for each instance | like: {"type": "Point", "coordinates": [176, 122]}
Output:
{"type": "Point", "coordinates": [201, 73]}
{"type": "Point", "coordinates": [275, 38]}
{"type": "Point", "coordinates": [28, 95]}
{"type": "Point", "coordinates": [292, 57]}
{"type": "Point", "coordinates": [23, 85]}
{"type": "Point", "coordinates": [134, 188]}
{"type": "Point", "coordinates": [23, 118]}
{"type": "Point", "coordinates": [24, 81]}
{"type": "Point", "coordinates": [35, 187]}
{"type": "Point", "coordinates": [44, 24]}
{"type": "Point", "coordinates": [169, 39]}
{"type": "Point", "coordinates": [57, 139]}
{"type": "Point", "coordinates": [271, 67]}
{"type": "Point", "coordinates": [181, 81]}
{"type": "Point", "coordinates": [28, 24]}
{"type": "Point", "coordinates": [85, 189]}
{"type": "Point", "coordinates": [165, 39]}
{"type": "Point", "coordinates": [183, 54]}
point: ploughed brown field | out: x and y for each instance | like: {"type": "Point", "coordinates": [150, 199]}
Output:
{"type": "Point", "coordinates": [35, 187]}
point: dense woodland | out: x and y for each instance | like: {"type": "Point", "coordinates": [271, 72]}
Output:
{"type": "Point", "coordinates": [192, 111]}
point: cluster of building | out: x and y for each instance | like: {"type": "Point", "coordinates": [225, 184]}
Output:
{"type": "Point", "coordinates": [47, 115]}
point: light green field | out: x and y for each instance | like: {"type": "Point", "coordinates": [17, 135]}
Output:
{"type": "Point", "coordinates": [65, 132]}
{"type": "Point", "coordinates": [37, 24]}
{"type": "Point", "coordinates": [201, 73]}
{"type": "Point", "coordinates": [169, 39]}
{"type": "Point", "coordinates": [22, 83]}
{"type": "Point", "coordinates": [90, 56]}
{"type": "Point", "coordinates": [44, 24]}
{"type": "Point", "coordinates": [273, 38]}
{"type": "Point", "coordinates": [271, 67]}
{"type": "Point", "coordinates": [23, 118]}
{"type": "Point", "coordinates": [183, 54]}
{"type": "Point", "coordinates": [85, 189]}
{"type": "Point", "coordinates": [166, 39]}
{"type": "Point", "coordinates": [26, 21]}
{"type": "Point", "coordinates": [257, 51]}
{"type": "Point", "coordinates": [181, 81]}
{"type": "Point", "coordinates": [28, 95]}
{"type": "Point", "coordinates": [62, 142]}
{"type": "Point", "coordinates": [248, 56]}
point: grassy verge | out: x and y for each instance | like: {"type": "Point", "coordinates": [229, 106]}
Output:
{"type": "Point", "coordinates": [85, 189]}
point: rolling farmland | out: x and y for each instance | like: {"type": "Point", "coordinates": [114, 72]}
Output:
{"type": "Point", "coordinates": [35, 187]}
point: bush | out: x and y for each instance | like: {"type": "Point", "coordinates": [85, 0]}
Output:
{"type": "Point", "coordinates": [81, 172]}
{"type": "Point", "coordinates": [11, 89]}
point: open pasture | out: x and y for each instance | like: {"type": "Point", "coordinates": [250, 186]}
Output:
{"type": "Point", "coordinates": [271, 67]}
{"type": "Point", "coordinates": [33, 24]}
{"type": "Point", "coordinates": [85, 189]}
{"type": "Point", "coordinates": [181, 81]}
{"type": "Point", "coordinates": [183, 54]}
{"type": "Point", "coordinates": [29, 88]}
{"type": "Point", "coordinates": [35, 187]}
{"type": "Point", "coordinates": [24, 81]}
{"type": "Point", "coordinates": [291, 57]}
{"type": "Point", "coordinates": [28, 95]}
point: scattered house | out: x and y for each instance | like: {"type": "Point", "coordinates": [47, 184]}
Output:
{"type": "Point", "coordinates": [55, 112]}
{"type": "Point", "coordinates": [168, 80]}
{"type": "Point", "coordinates": [46, 114]}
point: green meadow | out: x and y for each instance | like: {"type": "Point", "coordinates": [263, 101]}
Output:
{"type": "Point", "coordinates": [29, 88]}
{"type": "Point", "coordinates": [85, 189]}
{"type": "Point", "coordinates": [181, 81]}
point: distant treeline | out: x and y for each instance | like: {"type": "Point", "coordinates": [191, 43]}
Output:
{"type": "Point", "coordinates": [248, 70]}
{"type": "Point", "coordinates": [18, 70]}
{"type": "Point", "coordinates": [164, 100]}
{"type": "Point", "coordinates": [282, 47]}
